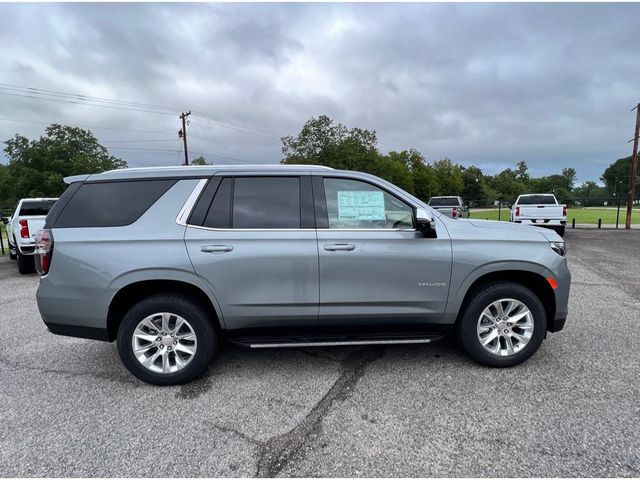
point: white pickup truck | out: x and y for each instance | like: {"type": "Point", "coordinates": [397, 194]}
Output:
{"type": "Point", "coordinates": [28, 218]}
{"type": "Point", "coordinates": [540, 209]}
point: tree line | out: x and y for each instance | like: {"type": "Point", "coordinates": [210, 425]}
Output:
{"type": "Point", "coordinates": [36, 168]}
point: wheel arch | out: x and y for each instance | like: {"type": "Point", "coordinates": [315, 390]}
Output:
{"type": "Point", "coordinates": [534, 281]}
{"type": "Point", "coordinates": [133, 292]}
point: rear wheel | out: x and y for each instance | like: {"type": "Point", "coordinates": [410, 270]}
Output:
{"type": "Point", "coordinates": [503, 325]}
{"type": "Point", "coordinates": [25, 263]}
{"type": "Point", "coordinates": [167, 339]}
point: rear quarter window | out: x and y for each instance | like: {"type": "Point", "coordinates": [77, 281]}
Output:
{"type": "Point", "coordinates": [111, 204]}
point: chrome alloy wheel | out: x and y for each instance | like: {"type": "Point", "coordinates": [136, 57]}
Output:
{"type": "Point", "coordinates": [164, 343]}
{"type": "Point", "coordinates": [505, 327]}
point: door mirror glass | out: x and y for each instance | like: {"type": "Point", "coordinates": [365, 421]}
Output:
{"type": "Point", "coordinates": [425, 222]}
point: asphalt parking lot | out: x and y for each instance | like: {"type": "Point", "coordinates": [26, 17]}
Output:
{"type": "Point", "coordinates": [69, 408]}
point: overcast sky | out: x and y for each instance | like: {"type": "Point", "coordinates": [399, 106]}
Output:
{"type": "Point", "coordinates": [483, 84]}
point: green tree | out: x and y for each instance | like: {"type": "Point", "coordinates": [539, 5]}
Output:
{"type": "Point", "coordinates": [507, 186]}
{"type": "Point", "coordinates": [616, 177]}
{"type": "Point", "coordinates": [522, 172]}
{"type": "Point", "coordinates": [590, 194]}
{"type": "Point", "coordinates": [200, 161]}
{"type": "Point", "coordinates": [37, 168]}
{"type": "Point", "coordinates": [448, 177]}
{"type": "Point", "coordinates": [474, 190]}
{"type": "Point", "coordinates": [570, 174]}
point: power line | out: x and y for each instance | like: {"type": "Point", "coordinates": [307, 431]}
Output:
{"type": "Point", "coordinates": [88, 100]}
{"type": "Point", "coordinates": [141, 141]}
{"type": "Point", "coordinates": [114, 107]}
{"type": "Point", "coordinates": [54, 93]}
{"type": "Point", "coordinates": [88, 126]}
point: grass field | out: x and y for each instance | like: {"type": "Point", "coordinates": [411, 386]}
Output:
{"type": "Point", "coordinates": [582, 215]}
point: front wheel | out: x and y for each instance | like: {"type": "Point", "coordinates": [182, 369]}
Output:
{"type": "Point", "coordinates": [167, 339]}
{"type": "Point", "coordinates": [503, 325]}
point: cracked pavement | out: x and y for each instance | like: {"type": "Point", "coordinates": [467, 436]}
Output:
{"type": "Point", "coordinates": [69, 408]}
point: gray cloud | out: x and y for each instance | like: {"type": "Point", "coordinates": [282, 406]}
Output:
{"type": "Point", "coordinates": [485, 84]}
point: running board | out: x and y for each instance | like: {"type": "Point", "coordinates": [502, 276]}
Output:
{"type": "Point", "coordinates": [339, 343]}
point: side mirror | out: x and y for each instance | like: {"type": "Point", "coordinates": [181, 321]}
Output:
{"type": "Point", "coordinates": [425, 223]}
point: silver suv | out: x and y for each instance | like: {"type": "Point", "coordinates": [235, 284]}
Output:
{"type": "Point", "coordinates": [168, 261]}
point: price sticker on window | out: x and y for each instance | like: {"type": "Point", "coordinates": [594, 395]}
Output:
{"type": "Point", "coordinates": [360, 205]}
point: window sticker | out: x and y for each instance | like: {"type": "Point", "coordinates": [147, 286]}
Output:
{"type": "Point", "coordinates": [360, 205]}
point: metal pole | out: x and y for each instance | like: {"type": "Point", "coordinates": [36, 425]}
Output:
{"type": "Point", "coordinates": [499, 208]}
{"type": "Point", "coordinates": [634, 169]}
{"type": "Point", "coordinates": [618, 214]}
{"type": "Point", "coordinates": [183, 117]}
{"type": "Point", "coordinates": [1, 239]}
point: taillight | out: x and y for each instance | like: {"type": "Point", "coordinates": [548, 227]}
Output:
{"type": "Point", "coordinates": [44, 251]}
{"type": "Point", "coordinates": [24, 228]}
{"type": "Point", "coordinates": [564, 211]}
{"type": "Point", "coordinates": [517, 211]}
{"type": "Point", "coordinates": [454, 212]}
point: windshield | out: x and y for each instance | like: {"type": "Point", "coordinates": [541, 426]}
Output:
{"type": "Point", "coordinates": [33, 207]}
{"type": "Point", "coordinates": [537, 200]}
{"type": "Point", "coordinates": [443, 201]}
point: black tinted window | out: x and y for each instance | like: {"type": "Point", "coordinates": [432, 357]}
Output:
{"type": "Point", "coordinates": [219, 214]}
{"type": "Point", "coordinates": [537, 200]}
{"type": "Point", "coordinates": [111, 204]}
{"type": "Point", "coordinates": [36, 207]}
{"type": "Point", "coordinates": [266, 202]}
{"type": "Point", "coordinates": [444, 202]}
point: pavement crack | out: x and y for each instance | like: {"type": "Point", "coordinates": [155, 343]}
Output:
{"type": "Point", "coordinates": [278, 451]}
{"type": "Point", "coordinates": [244, 436]}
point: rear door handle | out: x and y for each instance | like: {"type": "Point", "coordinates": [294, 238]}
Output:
{"type": "Point", "coordinates": [340, 247]}
{"type": "Point", "coordinates": [216, 248]}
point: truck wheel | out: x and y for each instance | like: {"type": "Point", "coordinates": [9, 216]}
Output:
{"type": "Point", "coordinates": [25, 263]}
{"type": "Point", "coordinates": [502, 325]}
{"type": "Point", "coordinates": [12, 256]}
{"type": "Point", "coordinates": [167, 339]}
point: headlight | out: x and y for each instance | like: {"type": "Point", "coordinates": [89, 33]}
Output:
{"type": "Point", "coordinates": [558, 247]}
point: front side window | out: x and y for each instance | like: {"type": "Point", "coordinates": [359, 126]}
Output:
{"type": "Point", "coordinates": [356, 204]}
{"type": "Point", "coordinates": [266, 202]}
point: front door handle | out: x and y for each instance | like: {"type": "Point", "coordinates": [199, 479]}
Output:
{"type": "Point", "coordinates": [340, 247]}
{"type": "Point", "coordinates": [215, 248]}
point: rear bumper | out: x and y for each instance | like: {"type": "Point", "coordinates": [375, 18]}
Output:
{"type": "Point", "coordinates": [542, 222]}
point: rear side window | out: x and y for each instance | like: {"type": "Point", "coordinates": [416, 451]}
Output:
{"type": "Point", "coordinates": [537, 200]}
{"type": "Point", "coordinates": [36, 207]}
{"type": "Point", "coordinates": [266, 202]}
{"type": "Point", "coordinates": [111, 204]}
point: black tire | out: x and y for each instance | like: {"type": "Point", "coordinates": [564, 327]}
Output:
{"type": "Point", "coordinates": [483, 297]}
{"type": "Point", "coordinates": [198, 316]}
{"type": "Point", "coordinates": [12, 256]}
{"type": "Point", "coordinates": [560, 230]}
{"type": "Point", "coordinates": [26, 264]}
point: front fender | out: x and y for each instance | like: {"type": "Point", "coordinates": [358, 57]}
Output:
{"type": "Point", "coordinates": [464, 280]}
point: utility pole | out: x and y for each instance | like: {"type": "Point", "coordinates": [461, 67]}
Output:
{"type": "Point", "coordinates": [183, 134]}
{"type": "Point", "coordinates": [634, 169]}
